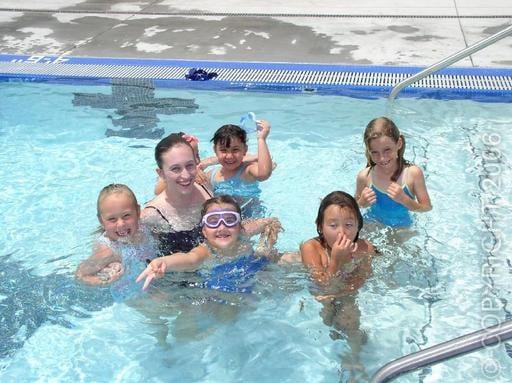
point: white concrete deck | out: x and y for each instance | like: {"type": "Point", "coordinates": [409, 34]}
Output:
{"type": "Point", "coordinates": [378, 32]}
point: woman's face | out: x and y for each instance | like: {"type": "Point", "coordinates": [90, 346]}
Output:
{"type": "Point", "coordinates": [178, 169]}
{"type": "Point", "coordinates": [222, 226]}
{"type": "Point", "coordinates": [338, 219]}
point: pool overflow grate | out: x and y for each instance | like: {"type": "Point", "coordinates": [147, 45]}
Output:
{"type": "Point", "coordinates": [294, 78]}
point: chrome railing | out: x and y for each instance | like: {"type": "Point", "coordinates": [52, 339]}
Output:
{"type": "Point", "coordinates": [449, 61]}
{"type": "Point", "coordinates": [467, 343]}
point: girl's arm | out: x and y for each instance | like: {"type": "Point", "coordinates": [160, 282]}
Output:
{"type": "Point", "coordinates": [248, 159]}
{"type": "Point", "coordinates": [420, 190]}
{"type": "Point", "coordinates": [364, 195]}
{"type": "Point", "coordinates": [311, 254]}
{"type": "Point", "coordinates": [262, 169]}
{"type": "Point", "coordinates": [213, 160]}
{"type": "Point", "coordinates": [175, 262]}
{"type": "Point", "coordinates": [87, 270]}
{"type": "Point", "coordinates": [207, 162]}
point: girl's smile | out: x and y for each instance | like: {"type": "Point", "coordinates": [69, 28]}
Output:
{"type": "Point", "coordinates": [222, 236]}
{"type": "Point", "coordinates": [384, 151]}
{"type": "Point", "coordinates": [231, 157]}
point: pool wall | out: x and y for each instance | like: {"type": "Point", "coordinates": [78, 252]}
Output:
{"type": "Point", "coordinates": [366, 81]}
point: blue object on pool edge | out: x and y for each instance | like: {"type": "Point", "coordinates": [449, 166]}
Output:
{"type": "Point", "coordinates": [235, 276]}
{"type": "Point", "coordinates": [195, 74]}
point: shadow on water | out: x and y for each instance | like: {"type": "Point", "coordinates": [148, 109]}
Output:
{"type": "Point", "coordinates": [27, 301]}
{"type": "Point", "coordinates": [136, 106]}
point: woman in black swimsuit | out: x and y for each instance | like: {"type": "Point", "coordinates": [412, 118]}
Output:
{"type": "Point", "coordinates": [174, 214]}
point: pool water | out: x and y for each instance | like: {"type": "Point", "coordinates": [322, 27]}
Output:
{"type": "Point", "coordinates": [438, 284]}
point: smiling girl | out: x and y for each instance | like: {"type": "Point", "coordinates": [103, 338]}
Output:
{"type": "Point", "coordinates": [238, 178]}
{"type": "Point", "coordinates": [124, 246]}
{"type": "Point", "coordinates": [389, 186]}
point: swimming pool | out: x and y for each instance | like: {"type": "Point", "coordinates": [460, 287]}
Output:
{"type": "Point", "coordinates": [56, 156]}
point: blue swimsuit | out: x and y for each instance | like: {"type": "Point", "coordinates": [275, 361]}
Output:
{"type": "Point", "coordinates": [235, 186]}
{"type": "Point", "coordinates": [387, 211]}
{"type": "Point", "coordinates": [235, 275]}
{"type": "Point", "coordinates": [247, 194]}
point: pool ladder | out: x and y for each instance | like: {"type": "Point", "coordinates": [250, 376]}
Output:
{"type": "Point", "coordinates": [449, 61]}
{"type": "Point", "coordinates": [485, 337]}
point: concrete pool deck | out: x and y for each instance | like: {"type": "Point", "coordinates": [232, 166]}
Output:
{"type": "Point", "coordinates": [367, 32]}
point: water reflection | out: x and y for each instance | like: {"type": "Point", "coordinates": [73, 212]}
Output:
{"type": "Point", "coordinates": [136, 107]}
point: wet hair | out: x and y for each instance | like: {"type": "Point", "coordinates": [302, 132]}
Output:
{"type": "Point", "coordinates": [114, 189]}
{"type": "Point", "coordinates": [341, 199]}
{"type": "Point", "coordinates": [221, 199]}
{"type": "Point", "coordinates": [226, 133]}
{"type": "Point", "coordinates": [384, 127]}
{"type": "Point", "coordinates": [167, 143]}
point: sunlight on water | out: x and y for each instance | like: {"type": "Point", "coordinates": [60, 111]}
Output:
{"type": "Point", "coordinates": [56, 157]}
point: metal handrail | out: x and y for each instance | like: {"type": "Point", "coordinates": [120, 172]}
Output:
{"type": "Point", "coordinates": [449, 61]}
{"type": "Point", "coordinates": [440, 352]}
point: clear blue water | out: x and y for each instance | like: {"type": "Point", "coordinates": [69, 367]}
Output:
{"type": "Point", "coordinates": [55, 158]}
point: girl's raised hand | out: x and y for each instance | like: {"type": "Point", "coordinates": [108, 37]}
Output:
{"type": "Point", "coordinates": [156, 269]}
{"type": "Point", "coordinates": [368, 197]}
{"type": "Point", "coordinates": [263, 128]}
{"type": "Point", "coordinates": [343, 247]}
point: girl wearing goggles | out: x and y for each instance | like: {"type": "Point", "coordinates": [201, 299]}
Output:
{"type": "Point", "coordinates": [214, 219]}
{"type": "Point", "coordinates": [224, 236]}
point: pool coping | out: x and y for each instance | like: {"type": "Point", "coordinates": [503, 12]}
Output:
{"type": "Point", "coordinates": [366, 81]}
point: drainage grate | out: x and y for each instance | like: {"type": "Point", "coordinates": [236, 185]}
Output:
{"type": "Point", "coordinates": [294, 77]}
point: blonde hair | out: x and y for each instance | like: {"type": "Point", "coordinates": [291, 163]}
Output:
{"type": "Point", "coordinates": [114, 189]}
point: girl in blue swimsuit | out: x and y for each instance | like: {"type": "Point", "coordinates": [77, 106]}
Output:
{"type": "Point", "coordinates": [390, 187]}
{"type": "Point", "coordinates": [227, 259]}
{"type": "Point", "coordinates": [235, 177]}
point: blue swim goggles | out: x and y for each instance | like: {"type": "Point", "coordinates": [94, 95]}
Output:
{"type": "Point", "coordinates": [227, 217]}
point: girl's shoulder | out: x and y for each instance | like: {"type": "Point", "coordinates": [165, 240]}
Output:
{"type": "Point", "coordinates": [312, 244]}
{"type": "Point", "coordinates": [414, 171]}
{"type": "Point", "coordinates": [363, 174]}
{"type": "Point", "coordinates": [414, 174]}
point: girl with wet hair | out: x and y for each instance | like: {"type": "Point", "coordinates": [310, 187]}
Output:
{"type": "Point", "coordinates": [390, 186]}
